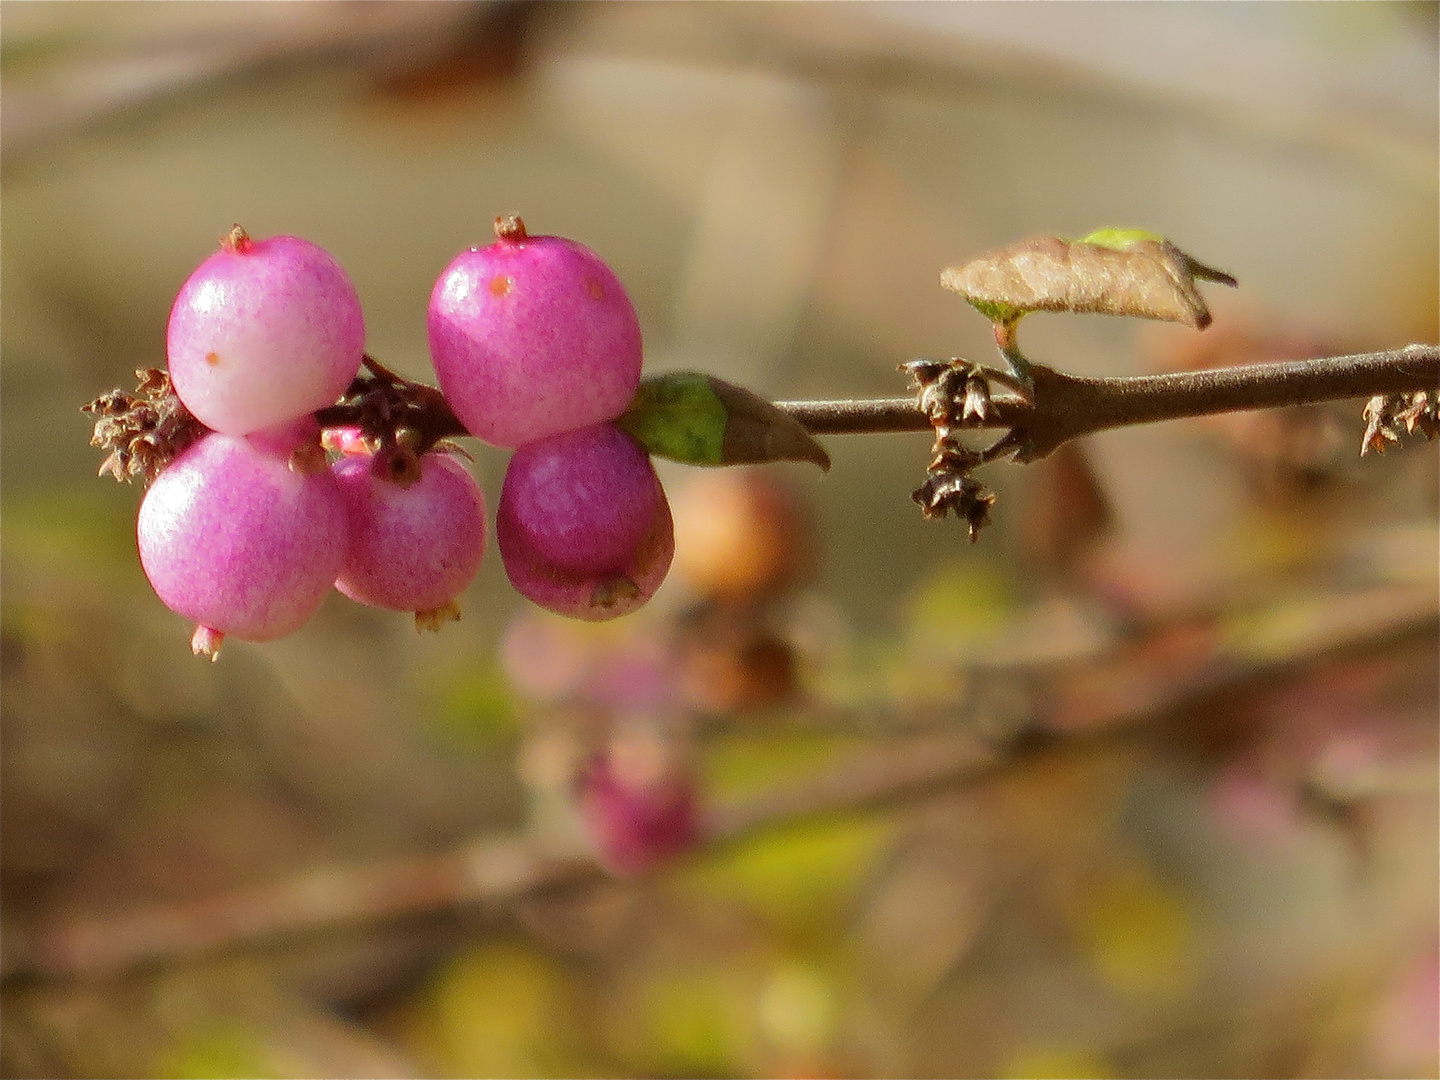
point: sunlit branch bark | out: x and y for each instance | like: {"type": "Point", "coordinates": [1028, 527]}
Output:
{"type": "Point", "coordinates": [1070, 406]}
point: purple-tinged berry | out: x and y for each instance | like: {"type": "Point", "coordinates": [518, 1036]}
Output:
{"type": "Point", "coordinates": [264, 331]}
{"type": "Point", "coordinates": [416, 547]}
{"type": "Point", "coordinates": [594, 597]}
{"type": "Point", "coordinates": [584, 499]}
{"type": "Point", "coordinates": [638, 801]}
{"type": "Point", "coordinates": [583, 524]}
{"type": "Point", "coordinates": [532, 336]}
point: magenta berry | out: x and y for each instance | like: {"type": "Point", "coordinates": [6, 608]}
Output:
{"type": "Point", "coordinates": [235, 538]}
{"type": "Point", "coordinates": [639, 809]}
{"type": "Point", "coordinates": [584, 499]}
{"type": "Point", "coordinates": [412, 548]}
{"type": "Point", "coordinates": [264, 331]}
{"type": "Point", "coordinates": [594, 597]}
{"type": "Point", "coordinates": [583, 525]}
{"type": "Point", "coordinates": [532, 336]}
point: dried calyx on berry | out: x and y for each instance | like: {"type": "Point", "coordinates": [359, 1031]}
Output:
{"type": "Point", "coordinates": [397, 420]}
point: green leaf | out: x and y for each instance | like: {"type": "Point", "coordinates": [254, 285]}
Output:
{"type": "Point", "coordinates": [698, 419]}
{"type": "Point", "coordinates": [678, 416]}
{"type": "Point", "coordinates": [1120, 239]}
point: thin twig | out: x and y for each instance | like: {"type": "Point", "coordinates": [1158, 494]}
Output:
{"type": "Point", "coordinates": [1070, 406]}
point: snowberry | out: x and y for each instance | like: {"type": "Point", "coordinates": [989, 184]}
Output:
{"type": "Point", "coordinates": [638, 801]}
{"type": "Point", "coordinates": [412, 548]}
{"type": "Point", "coordinates": [262, 332]}
{"type": "Point", "coordinates": [583, 524]}
{"type": "Point", "coordinates": [532, 336]}
{"type": "Point", "coordinates": [239, 539]}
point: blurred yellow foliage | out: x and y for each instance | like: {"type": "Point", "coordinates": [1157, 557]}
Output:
{"type": "Point", "coordinates": [497, 1010]}
{"type": "Point", "coordinates": [1137, 934]}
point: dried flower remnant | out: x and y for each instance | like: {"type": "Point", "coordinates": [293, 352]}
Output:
{"type": "Point", "coordinates": [143, 431]}
{"type": "Point", "coordinates": [946, 491]}
{"type": "Point", "coordinates": [394, 419]}
{"type": "Point", "coordinates": [1385, 414]}
{"type": "Point", "coordinates": [954, 395]}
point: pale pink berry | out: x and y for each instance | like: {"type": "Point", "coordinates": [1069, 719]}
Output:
{"type": "Point", "coordinates": [264, 331]}
{"type": "Point", "coordinates": [532, 336]}
{"type": "Point", "coordinates": [412, 548]}
{"type": "Point", "coordinates": [235, 538]}
{"type": "Point", "coordinates": [583, 524]}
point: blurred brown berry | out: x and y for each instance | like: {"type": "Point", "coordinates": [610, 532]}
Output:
{"type": "Point", "coordinates": [741, 534]}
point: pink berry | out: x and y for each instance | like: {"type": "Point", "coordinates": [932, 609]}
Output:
{"type": "Point", "coordinates": [532, 336]}
{"type": "Point", "coordinates": [412, 548]}
{"type": "Point", "coordinates": [583, 499]}
{"type": "Point", "coordinates": [639, 807]}
{"type": "Point", "coordinates": [236, 539]}
{"type": "Point", "coordinates": [264, 331]}
{"type": "Point", "coordinates": [594, 597]}
{"type": "Point", "coordinates": [583, 525]}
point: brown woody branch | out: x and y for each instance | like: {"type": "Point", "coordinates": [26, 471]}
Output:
{"type": "Point", "coordinates": [1071, 406]}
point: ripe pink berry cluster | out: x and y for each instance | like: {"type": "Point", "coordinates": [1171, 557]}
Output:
{"type": "Point", "coordinates": [536, 347]}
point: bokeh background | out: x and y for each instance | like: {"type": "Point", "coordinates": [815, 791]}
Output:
{"type": "Point", "coordinates": [1143, 783]}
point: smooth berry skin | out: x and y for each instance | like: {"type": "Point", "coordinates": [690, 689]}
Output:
{"type": "Point", "coordinates": [262, 332]}
{"type": "Point", "coordinates": [531, 337]}
{"type": "Point", "coordinates": [233, 538]}
{"type": "Point", "coordinates": [597, 595]}
{"type": "Point", "coordinates": [412, 548]}
{"type": "Point", "coordinates": [583, 500]}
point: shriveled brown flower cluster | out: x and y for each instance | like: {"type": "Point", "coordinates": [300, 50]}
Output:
{"type": "Point", "coordinates": [398, 419]}
{"type": "Point", "coordinates": [955, 394]}
{"type": "Point", "coordinates": [1386, 414]}
{"type": "Point", "coordinates": [143, 431]}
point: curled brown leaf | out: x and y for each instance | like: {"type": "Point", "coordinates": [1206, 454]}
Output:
{"type": "Point", "coordinates": [1147, 279]}
{"type": "Point", "coordinates": [756, 431]}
